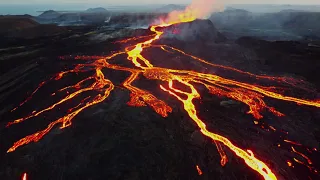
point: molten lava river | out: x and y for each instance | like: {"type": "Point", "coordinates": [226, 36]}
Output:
{"type": "Point", "coordinates": [181, 85]}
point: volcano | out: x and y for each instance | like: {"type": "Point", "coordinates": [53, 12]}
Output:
{"type": "Point", "coordinates": [198, 30]}
{"type": "Point", "coordinates": [132, 112]}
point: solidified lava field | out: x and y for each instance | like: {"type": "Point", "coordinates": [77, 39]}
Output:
{"type": "Point", "coordinates": [149, 107]}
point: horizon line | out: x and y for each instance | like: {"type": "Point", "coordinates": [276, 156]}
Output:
{"type": "Point", "coordinates": [139, 4]}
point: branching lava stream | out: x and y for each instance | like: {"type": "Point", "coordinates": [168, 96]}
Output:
{"type": "Point", "coordinates": [251, 95]}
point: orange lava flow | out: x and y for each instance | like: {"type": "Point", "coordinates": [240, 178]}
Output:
{"type": "Point", "coordinates": [24, 176]}
{"type": "Point", "coordinates": [288, 80]}
{"type": "Point", "coordinates": [248, 156]}
{"type": "Point", "coordinates": [249, 94]}
{"type": "Point", "coordinates": [292, 142]}
{"type": "Point", "coordinates": [102, 85]}
{"type": "Point", "coordinates": [134, 39]}
{"type": "Point", "coordinates": [306, 165]}
{"type": "Point", "coordinates": [304, 156]}
{"type": "Point", "coordinates": [30, 97]}
{"type": "Point", "coordinates": [199, 170]}
{"type": "Point", "coordinates": [224, 158]}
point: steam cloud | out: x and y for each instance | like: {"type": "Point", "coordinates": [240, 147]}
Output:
{"type": "Point", "coordinates": [198, 9]}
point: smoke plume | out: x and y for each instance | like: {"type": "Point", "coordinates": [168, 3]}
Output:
{"type": "Point", "coordinates": [198, 9]}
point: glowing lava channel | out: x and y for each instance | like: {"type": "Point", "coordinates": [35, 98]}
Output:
{"type": "Point", "coordinates": [24, 176]}
{"type": "Point", "coordinates": [249, 94]}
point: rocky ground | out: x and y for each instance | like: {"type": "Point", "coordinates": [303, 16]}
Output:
{"type": "Point", "coordinates": [115, 141]}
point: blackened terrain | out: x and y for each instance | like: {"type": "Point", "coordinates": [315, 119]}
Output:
{"type": "Point", "coordinates": [115, 141]}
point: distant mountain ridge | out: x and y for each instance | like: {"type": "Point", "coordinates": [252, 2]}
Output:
{"type": "Point", "coordinates": [97, 10]}
{"type": "Point", "coordinates": [90, 16]}
{"type": "Point", "coordinates": [13, 23]}
{"type": "Point", "coordinates": [27, 28]}
{"type": "Point", "coordinates": [291, 23]}
{"type": "Point", "coordinates": [50, 14]}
